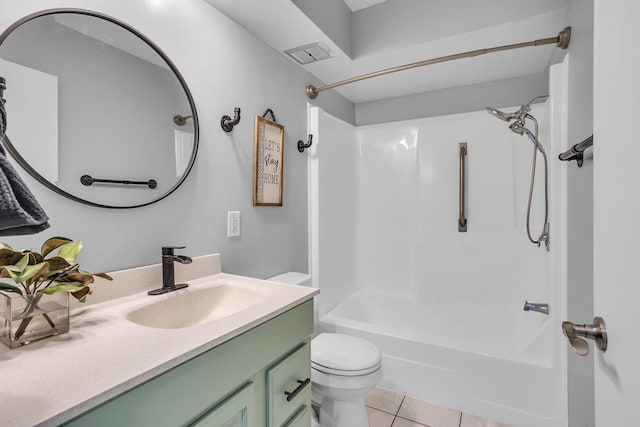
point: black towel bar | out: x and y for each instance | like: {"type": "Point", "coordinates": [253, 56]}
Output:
{"type": "Point", "coordinates": [88, 180]}
{"type": "Point", "coordinates": [576, 152]}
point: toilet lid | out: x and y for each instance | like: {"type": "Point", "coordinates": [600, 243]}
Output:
{"type": "Point", "coordinates": [345, 355]}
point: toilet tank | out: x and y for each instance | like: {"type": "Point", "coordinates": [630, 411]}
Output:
{"type": "Point", "coordinates": [300, 279]}
{"type": "Point", "coordinates": [292, 278]}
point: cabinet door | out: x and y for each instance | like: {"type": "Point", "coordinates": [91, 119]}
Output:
{"type": "Point", "coordinates": [236, 411]}
{"type": "Point", "coordinates": [289, 387]}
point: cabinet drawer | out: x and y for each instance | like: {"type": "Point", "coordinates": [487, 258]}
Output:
{"type": "Point", "coordinates": [301, 419]}
{"type": "Point", "coordinates": [289, 387]}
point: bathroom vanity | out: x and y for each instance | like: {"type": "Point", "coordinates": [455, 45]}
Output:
{"type": "Point", "coordinates": [239, 383]}
{"type": "Point", "coordinates": [244, 366]}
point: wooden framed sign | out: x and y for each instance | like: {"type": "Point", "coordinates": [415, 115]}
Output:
{"type": "Point", "coordinates": [268, 154]}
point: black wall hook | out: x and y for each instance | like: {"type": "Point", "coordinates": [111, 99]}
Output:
{"type": "Point", "coordinates": [302, 145]}
{"type": "Point", "coordinates": [228, 124]}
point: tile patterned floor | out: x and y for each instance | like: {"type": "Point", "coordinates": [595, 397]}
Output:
{"type": "Point", "coordinates": [387, 408]}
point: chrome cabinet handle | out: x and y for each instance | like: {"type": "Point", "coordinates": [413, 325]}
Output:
{"type": "Point", "coordinates": [292, 394]}
{"type": "Point", "coordinates": [576, 334]}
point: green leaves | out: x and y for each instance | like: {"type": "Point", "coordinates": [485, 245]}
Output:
{"type": "Point", "coordinates": [19, 266]}
{"type": "Point", "coordinates": [6, 255]}
{"type": "Point", "coordinates": [104, 276]}
{"type": "Point", "coordinates": [70, 251]}
{"type": "Point", "coordinates": [53, 243]}
{"type": "Point", "coordinates": [36, 273]}
{"type": "Point", "coordinates": [29, 272]}
{"type": "Point", "coordinates": [10, 288]}
{"type": "Point", "coordinates": [63, 287]}
{"type": "Point", "coordinates": [81, 295]}
{"type": "Point", "coordinates": [57, 263]}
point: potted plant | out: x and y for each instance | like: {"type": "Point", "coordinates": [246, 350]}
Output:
{"type": "Point", "coordinates": [36, 305]}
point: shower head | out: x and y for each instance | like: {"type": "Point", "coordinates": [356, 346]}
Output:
{"type": "Point", "coordinates": [517, 115]}
{"type": "Point", "coordinates": [538, 100]}
{"type": "Point", "coordinates": [501, 114]}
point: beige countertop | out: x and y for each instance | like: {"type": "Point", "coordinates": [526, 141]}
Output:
{"type": "Point", "coordinates": [55, 379]}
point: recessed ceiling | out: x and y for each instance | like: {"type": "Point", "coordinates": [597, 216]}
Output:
{"type": "Point", "coordinates": [396, 32]}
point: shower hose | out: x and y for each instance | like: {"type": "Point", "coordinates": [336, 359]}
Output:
{"type": "Point", "coordinates": [544, 235]}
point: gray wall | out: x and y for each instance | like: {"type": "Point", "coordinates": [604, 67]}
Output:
{"type": "Point", "coordinates": [225, 67]}
{"type": "Point", "coordinates": [516, 91]}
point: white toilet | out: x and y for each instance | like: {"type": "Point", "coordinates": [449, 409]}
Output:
{"type": "Point", "coordinates": [344, 369]}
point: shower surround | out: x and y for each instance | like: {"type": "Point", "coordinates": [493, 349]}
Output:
{"type": "Point", "coordinates": [444, 307]}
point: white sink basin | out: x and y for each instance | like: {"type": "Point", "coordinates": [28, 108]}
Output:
{"type": "Point", "coordinates": [193, 306]}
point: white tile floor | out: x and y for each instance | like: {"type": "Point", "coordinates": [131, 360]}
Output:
{"type": "Point", "coordinates": [387, 408]}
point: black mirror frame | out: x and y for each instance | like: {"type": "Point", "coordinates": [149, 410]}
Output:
{"type": "Point", "coordinates": [196, 128]}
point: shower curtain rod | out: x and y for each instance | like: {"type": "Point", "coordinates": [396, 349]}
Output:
{"type": "Point", "coordinates": [561, 40]}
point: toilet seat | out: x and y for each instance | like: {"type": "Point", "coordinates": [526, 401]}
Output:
{"type": "Point", "coordinates": [344, 355]}
{"type": "Point", "coordinates": [355, 373]}
{"type": "Point", "coordinates": [342, 383]}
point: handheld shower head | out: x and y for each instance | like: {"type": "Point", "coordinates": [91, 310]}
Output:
{"type": "Point", "coordinates": [501, 114]}
{"type": "Point", "coordinates": [537, 100]}
{"type": "Point", "coordinates": [516, 115]}
{"type": "Point", "coordinates": [517, 121]}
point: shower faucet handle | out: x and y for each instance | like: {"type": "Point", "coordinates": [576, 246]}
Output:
{"type": "Point", "coordinates": [576, 334]}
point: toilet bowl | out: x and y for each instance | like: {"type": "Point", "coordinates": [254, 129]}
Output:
{"type": "Point", "coordinates": [344, 369]}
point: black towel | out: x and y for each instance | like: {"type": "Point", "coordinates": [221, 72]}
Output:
{"type": "Point", "coordinates": [3, 116]}
{"type": "Point", "coordinates": [20, 212]}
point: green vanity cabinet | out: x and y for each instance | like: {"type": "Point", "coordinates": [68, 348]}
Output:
{"type": "Point", "coordinates": [240, 383]}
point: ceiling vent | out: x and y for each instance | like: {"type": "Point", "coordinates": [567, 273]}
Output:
{"type": "Point", "coordinates": [310, 53]}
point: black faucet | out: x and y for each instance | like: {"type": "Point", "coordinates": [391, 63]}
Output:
{"type": "Point", "coordinates": [168, 277]}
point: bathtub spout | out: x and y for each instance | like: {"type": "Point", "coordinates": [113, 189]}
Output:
{"type": "Point", "coordinates": [539, 307]}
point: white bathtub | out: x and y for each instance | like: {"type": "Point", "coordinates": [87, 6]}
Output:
{"type": "Point", "coordinates": [471, 363]}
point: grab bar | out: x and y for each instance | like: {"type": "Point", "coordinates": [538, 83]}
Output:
{"type": "Point", "coordinates": [462, 220]}
{"type": "Point", "coordinates": [88, 180]}
{"type": "Point", "coordinates": [576, 152]}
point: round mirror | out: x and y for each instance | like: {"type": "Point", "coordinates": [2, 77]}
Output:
{"type": "Point", "coordinates": [95, 110]}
